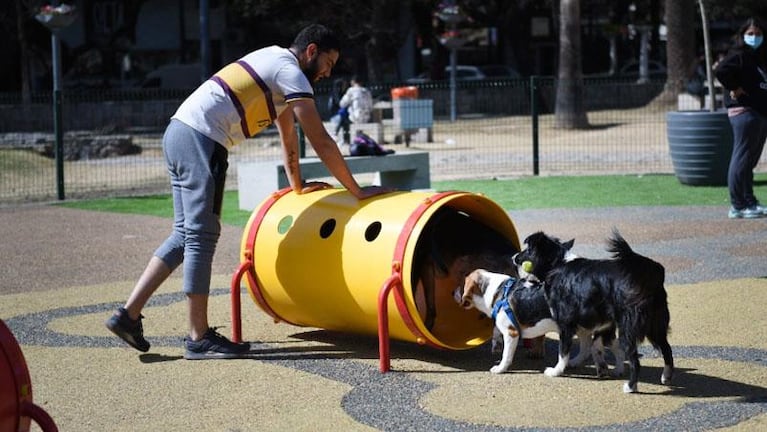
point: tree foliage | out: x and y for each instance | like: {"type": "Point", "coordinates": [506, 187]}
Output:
{"type": "Point", "coordinates": [735, 9]}
{"type": "Point", "coordinates": [374, 30]}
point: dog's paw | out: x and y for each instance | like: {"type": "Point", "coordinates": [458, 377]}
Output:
{"type": "Point", "coordinates": [627, 388]}
{"type": "Point", "coordinates": [497, 369]}
{"type": "Point", "coordinates": [552, 372]}
{"type": "Point", "coordinates": [665, 378]}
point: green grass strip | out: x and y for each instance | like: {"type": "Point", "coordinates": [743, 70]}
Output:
{"type": "Point", "coordinates": [511, 194]}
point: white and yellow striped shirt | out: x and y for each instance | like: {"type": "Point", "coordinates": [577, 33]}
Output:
{"type": "Point", "coordinates": [245, 96]}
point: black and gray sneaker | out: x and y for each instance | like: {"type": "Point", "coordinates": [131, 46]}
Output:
{"type": "Point", "coordinates": [214, 346]}
{"type": "Point", "coordinates": [131, 331]}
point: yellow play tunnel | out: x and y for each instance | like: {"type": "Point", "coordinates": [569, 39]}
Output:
{"type": "Point", "coordinates": [322, 259]}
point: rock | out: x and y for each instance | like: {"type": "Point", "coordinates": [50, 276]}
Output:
{"type": "Point", "coordinates": [94, 147]}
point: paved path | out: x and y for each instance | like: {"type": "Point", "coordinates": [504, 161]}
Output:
{"type": "Point", "coordinates": [65, 270]}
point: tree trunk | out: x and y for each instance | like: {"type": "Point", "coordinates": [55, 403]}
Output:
{"type": "Point", "coordinates": [387, 24]}
{"type": "Point", "coordinates": [680, 48]}
{"type": "Point", "coordinates": [570, 112]}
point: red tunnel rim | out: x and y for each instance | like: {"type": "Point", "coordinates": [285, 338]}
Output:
{"type": "Point", "coordinates": [250, 243]}
{"type": "Point", "coordinates": [10, 352]}
{"type": "Point", "coordinates": [399, 258]}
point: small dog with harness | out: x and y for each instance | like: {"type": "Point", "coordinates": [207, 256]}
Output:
{"type": "Point", "coordinates": [517, 306]}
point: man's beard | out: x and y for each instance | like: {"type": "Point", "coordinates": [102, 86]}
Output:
{"type": "Point", "coordinates": [311, 69]}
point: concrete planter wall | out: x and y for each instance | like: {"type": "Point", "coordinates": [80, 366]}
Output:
{"type": "Point", "coordinates": [700, 143]}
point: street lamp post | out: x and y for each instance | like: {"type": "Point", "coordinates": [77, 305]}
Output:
{"type": "Point", "coordinates": [57, 126]}
{"type": "Point", "coordinates": [451, 15]}
{"type": "Point", "coordinates": [55, 18]}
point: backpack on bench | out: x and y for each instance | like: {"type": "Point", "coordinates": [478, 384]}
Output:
{"type": "Point", "coordinates": [363, 145]}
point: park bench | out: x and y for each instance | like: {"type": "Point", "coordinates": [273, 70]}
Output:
{"type": "Point", "coordinates": [404, 171]}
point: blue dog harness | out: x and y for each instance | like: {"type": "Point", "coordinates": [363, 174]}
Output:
{"type": "Point", "coordinates": [504, 305]}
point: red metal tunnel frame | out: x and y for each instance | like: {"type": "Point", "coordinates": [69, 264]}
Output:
{"type": "Point", "coordinates": [392, 284]}
{"type": "Point", "coordinates": [16, 396]}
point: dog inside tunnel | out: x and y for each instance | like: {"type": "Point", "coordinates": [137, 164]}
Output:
{"type": "Point", "coordinates": [452, 244]}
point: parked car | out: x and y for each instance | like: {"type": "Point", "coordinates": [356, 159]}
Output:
{"type": "Point", "coordinates": [472, 73]}
{"type": "Point", "coordinates": [630, 70]}
{"type": "Point", "coordinates": [499, 71]}
{"type": "Point", "coordinates": [655, 70]}
{"type": "Point", "coordinates": [174, 76]}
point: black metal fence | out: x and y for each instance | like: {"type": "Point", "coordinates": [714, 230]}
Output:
{"type": "Point", "coordinates": [494, 135]}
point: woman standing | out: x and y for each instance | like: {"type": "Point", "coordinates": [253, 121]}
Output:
{"type": "Point", "coordinates": [743, 72]}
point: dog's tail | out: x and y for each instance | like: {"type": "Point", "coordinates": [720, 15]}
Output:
{"type": "Point", "coordinates": [622, 252]}
{"type": "Point", "coordinates": [646, 277]}
{"type": "Point", "coordinates": [619, 247]}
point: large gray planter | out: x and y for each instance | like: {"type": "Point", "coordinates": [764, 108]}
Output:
{"type": "Point", "coordinates": [700, 143]}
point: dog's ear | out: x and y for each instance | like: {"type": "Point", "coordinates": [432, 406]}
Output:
{"type": "Point", "coordinates": [568, 244]}
{"type": "Point", "coordinates": [471, 285]}
{"type": "Point", "coordinates": [532, 238]}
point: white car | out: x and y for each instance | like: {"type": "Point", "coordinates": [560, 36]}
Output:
{"type": "Point", "coordinates": [472, 73]}
{"type": "Point", "coordinates": [174, 76]}
{"type": "Point", "coordinates": [654, 69]}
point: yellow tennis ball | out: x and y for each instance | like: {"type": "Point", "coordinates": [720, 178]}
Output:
{"type": "Point", "coordinates": [527, 266]}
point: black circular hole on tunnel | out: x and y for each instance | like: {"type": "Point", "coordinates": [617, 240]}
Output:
{"type": "Point", "coordinates": [372, 231]}
{"type": "Point", "coordinates": [327, 228]}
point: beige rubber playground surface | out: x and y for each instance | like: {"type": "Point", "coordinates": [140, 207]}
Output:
{"type": "Point", "coordinates": [64, 271]}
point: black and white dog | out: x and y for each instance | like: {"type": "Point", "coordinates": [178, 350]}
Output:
{"type": "Point", "coordinates": [518, 308]}
{"type": "Point", "coordinates": [626, 291]}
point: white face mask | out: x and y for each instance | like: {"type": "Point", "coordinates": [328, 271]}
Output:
{"type": "Point", "coordinates": [753, 40]}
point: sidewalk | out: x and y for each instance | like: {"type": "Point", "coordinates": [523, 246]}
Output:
{"type": "Point", "coordinates": [65, 271]}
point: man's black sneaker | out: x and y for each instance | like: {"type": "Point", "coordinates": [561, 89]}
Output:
{"type": "Point", "coordinates": [214, 346]}
{"type": "Point", "coordinates": [131, 331]}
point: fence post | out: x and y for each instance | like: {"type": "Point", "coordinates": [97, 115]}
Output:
{"type": "Point", "coordinates": [534, 114]}
{"type": "Point", "coordinates": [57, 117]}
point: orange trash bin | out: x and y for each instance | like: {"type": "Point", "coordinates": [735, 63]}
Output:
{"type": "Point", "coordinates": [409, 92]}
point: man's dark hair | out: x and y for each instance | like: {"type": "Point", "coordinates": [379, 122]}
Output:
{"type": "Point", "coordinates": [318, 34]}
